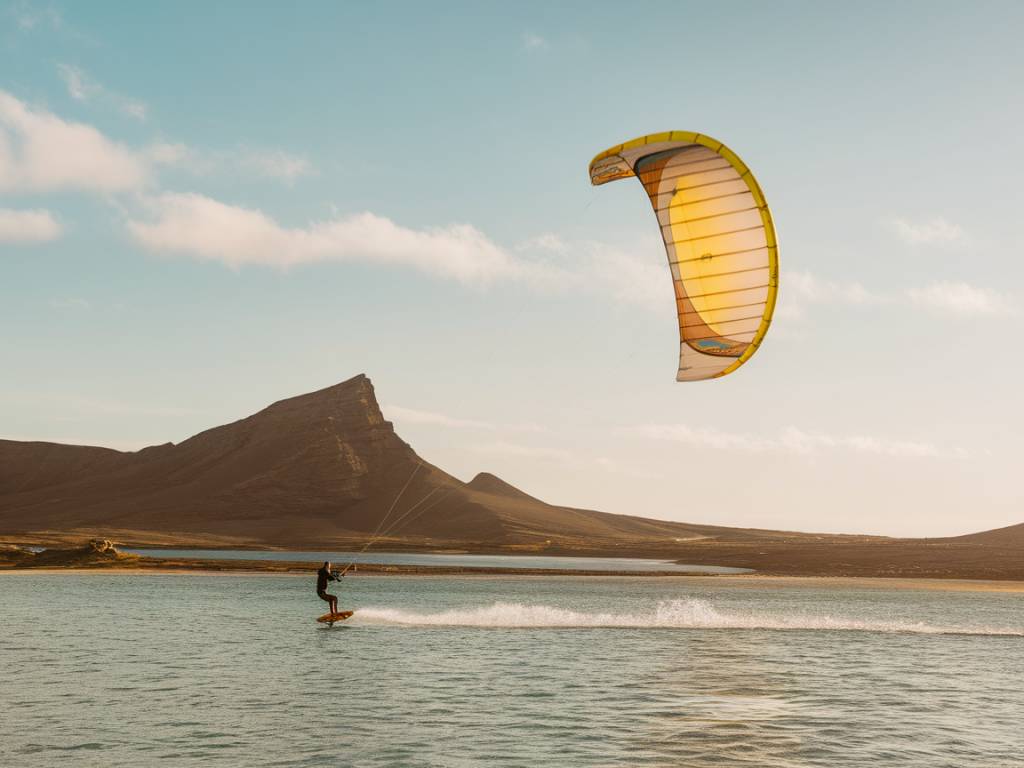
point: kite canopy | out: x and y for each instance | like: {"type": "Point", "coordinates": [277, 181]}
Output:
{"type": "Point", "coordinates": [719, 238]}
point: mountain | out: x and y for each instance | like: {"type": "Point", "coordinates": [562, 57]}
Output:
{"type": "Point", "coordinates": [323, 467]}
{"type": "Point", "coordinates": [325, 470]}
{"type": "Point", "coordinates": [1010, 536]}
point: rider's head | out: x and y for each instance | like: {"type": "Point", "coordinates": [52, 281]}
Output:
{"type": "Point", "coordinates": [327, 565]}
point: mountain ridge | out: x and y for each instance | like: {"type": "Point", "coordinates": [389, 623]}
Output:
{"type": "Point", "coordinates": [327, 469]}
{"type": "Point", "coordinates": [324, 464]}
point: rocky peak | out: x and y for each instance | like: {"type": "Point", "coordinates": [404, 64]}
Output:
{"type": "Point", "coordinates": [353, 401]}
{"type": "Point", "coordinates": [485, 482]}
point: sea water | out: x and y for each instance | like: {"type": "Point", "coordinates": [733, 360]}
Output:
{"type": "Point", "coordinates": [232, 670]}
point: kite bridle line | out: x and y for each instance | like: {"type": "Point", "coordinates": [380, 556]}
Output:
{"type": "Point", "coordinates": [383, 530]}
{"type": "Point", "coordinates": [374, 536]}
{"type": "Point", "coordinates": [404, 517]}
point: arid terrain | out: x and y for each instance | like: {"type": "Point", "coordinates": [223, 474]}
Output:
{"type": "Point", "coordinates": [322, 471]}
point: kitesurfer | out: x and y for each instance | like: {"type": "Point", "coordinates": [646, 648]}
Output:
{"type": "Point", "coordinates": [322, 577]}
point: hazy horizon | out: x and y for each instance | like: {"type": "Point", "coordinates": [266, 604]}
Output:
{"type": "Point", "coordinates": [205, 210]}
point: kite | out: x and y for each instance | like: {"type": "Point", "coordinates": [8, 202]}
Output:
{"type": "Point", "coordinates": [718, 236]}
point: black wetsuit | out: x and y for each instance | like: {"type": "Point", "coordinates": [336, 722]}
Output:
{"type": "Point", "coordinates": [322, 577]}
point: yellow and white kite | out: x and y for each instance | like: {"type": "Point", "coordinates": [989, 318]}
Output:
{"type": "Point", "coordinates": [719, 238]}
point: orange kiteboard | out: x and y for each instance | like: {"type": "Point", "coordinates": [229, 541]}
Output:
{"type": "Point", "coordinates": [330, 618]}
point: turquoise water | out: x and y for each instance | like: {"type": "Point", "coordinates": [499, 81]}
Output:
{"type": "Point", "coordinates": [198, 670]}
{"type": "Point", "coordinates": [457, 561]}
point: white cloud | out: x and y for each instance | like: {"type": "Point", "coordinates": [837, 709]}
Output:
{"type": "Point", "coordinates": [78, 86]}
{"type": "Point", "coordinates": [961, 298]}
{"type": "Point", "coordinates": [788, 440]}
{"type": "Point", "coordinates": [133, 108]}
{"type": "Point", "coordinates": [27, 226]}
{"type": "Point", "coordinates": [203, 227]}
{"type": "Point", "coordinates": [172, 154]}
{"type": "Point", "coordinates": [933, 231]}
{"type": "Point", "coordinates": [545, 453]}
{"type": "Point", "coordinates": [549, 242]}
{"type": "Point", "coordinates": [275, 164]}
{"type": "Point", "coordinates": [74, 303]}
{"type": "Point", "coordinates": [643, 280]}
{"type": "Point", "coordinates": [269, 163]}
{"type": "Point", "coordinates": [638, 278]}
{"type": "Point", "coordinates": [200, 226]}
{"type": "Point", "coordinates": [803, 288]}
{"type": "Point", "coordinates": [27, 16]}
{"type": "Point", "coordinates": [534, 42]}
{"type": "Point", "coordinates": [800, 290]}
{"type": "Point", "coordinates": [618, 468]}
{"type": "Point", "coordinates": [572, 458]}
{"type": "Point", "coordinates": [807, 287]}
{"type": "Point", "coordinates": [74, 407]}
{"type": "Point", "coordinates": [41, 152]}
{"type": "Point", "coordinates": [413, 416]}
{"type": "Point", "coordinates": [83, 88]}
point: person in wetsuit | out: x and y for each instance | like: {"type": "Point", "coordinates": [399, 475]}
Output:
{"type": "Point", "coordinates": [322, 577]}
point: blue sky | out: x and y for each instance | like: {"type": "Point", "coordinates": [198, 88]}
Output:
{"type": "Point", "coordinates": [203, 210]}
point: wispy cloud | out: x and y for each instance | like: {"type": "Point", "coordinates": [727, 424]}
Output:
{"type": "Point", "coordinates": [570, 458]}
{"type": "Point", "coordinates": [534, 42]}
{"type": "Point", "coordinates": [78, 86]}
{"type": "Point", "coordinates": [202, 227]}
{"type": "Point", "coordinates": [199, 226]}
{"type": "Point", "coordinates": [548, 242]}
{"type": "Point", "coordinates": [414, 416]}
{"type": "Point", "coordinates": [638, 277]}
{"type": "Point", "coordinates": [40, 152]}
{"type": "Point", "coordinates": [539, 452]}
{"type": "Point", "coordinates": [268, 163]}
{"type": "Point", "coordinates": [83, 88]}
{"type": "Point", "coordinates": [206, 228]}
{"type": "Point", "coordinates": [75, 303]}
{"type": "Point", "coordinates": [19, 226]}
{"type": "Point", "coordinates": [961, 298]}
{"type": "Point", "coordinates": [276, 164]}
{"type": "Point", "coordinates": [28, 16]}
{"type": "Point", "coordinates": [620, 468]}
{"type": "Point", "coordinates": [801, 290]}
{"type": "Point", "coordinates": [72, 407]}
{"type": "Point", "coordinates": [811, 288]}
{"type": "Point", "coordinates": [935, 230]}
{"type": "Point", "coordinates": [789, 440]}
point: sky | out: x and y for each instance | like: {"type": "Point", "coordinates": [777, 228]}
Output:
{"type": "Point", "coordinates": [205, 208]}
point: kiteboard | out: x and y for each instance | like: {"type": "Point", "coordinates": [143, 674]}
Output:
{"type": "Point", "coordinates": [330, 618]}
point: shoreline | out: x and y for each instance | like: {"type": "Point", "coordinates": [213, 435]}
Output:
{"type": "Point", "coordinates": [800, 556]}
{"type": "Point", "coordinates": [740, 581]}
{"type": "Point", "coordinates": [776, 568]}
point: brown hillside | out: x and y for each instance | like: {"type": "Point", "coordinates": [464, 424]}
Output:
{"type": "Point", "coordinates": [311, 469]}
{"type": "Point", "coordinates": [326, 470]}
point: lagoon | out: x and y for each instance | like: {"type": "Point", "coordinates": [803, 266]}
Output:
{"type": "Point", "coordinates": [610, 564]}
{"type": "Point", "coordinates": [101, 669]}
